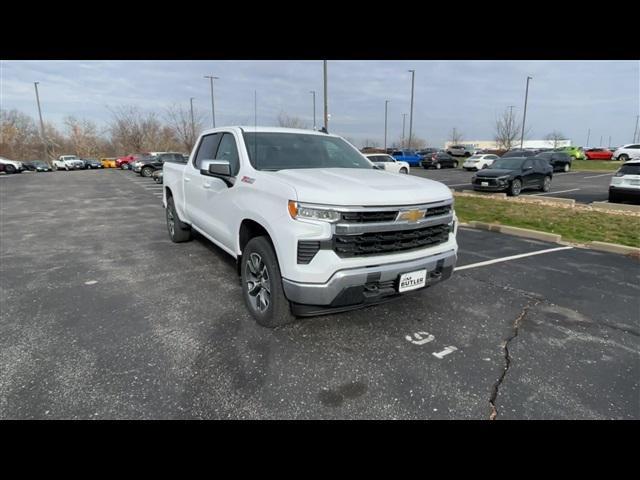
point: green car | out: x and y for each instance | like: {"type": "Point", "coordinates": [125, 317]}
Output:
{"type": "Point", "coordinates": [577, 153]}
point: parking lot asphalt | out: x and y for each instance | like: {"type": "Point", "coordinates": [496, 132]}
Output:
{"type": "Point", "coordinates": [583, 187]}
{"type": "Point", "coordinates": [102, 316]}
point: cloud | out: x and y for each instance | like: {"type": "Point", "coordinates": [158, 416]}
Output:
{"type": "Point", "coordinates": [570, 96]}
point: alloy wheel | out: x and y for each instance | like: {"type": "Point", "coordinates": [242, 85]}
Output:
{"type": "Point", "coordinates": [258, 282]}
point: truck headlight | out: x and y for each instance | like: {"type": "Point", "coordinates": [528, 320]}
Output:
{"type": "Point", "coordinates": [312, 212]}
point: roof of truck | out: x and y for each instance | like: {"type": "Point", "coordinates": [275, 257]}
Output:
{"type": "Point", "coordinates": [264, 129]}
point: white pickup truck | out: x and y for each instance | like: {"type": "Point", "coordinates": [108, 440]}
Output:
{"type": "Point", "coordinates": [68, 162]}
{"type": "Point", "coordinates": [313, 226]}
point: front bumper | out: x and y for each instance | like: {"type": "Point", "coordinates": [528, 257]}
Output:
{"type": "Point", "coordinates": [353, 288]}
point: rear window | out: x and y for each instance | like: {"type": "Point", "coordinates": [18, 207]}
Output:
{"type": "Point", "coordinates": [632, 169]}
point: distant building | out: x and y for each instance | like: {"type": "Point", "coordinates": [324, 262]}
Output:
{"type": "Point", "coordinates": [492, 145]}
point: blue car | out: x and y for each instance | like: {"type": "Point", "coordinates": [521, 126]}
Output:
{"type": "Point", "coordinates": [409, 156]}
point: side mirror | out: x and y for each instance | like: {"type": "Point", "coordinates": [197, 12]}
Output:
{"type": "Point", "coordinates": [216, 168]}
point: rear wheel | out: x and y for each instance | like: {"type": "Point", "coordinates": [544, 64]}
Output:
{"type": "Point", "coordinates": [10, 169]}
{"type": "Point", "coordinates": [146, 171]}
{"type": "Point", "coordinates": [262, 285]}
{"type": "Point", "coordinates": [623, 157]}
{"type": "Point", "coordinates": [178, 231]}
{"type": "Point", "coordinates": [546, 184]}
{"type": "Point", "coordinates": [515, 188]}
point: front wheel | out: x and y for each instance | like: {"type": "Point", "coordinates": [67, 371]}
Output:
{"type": "Point", "coordinates": [515, 188]}
{"type": "Point", "coordinates": [10, 169]}
{"type": "Point", "coordinates": [262, 285]}
{"type": "Point", "coordinates": [403, 170]}
{"type": "Point", "coordinates": [623, 157]}
{"type": "Point", "coordinates": [146, 171]}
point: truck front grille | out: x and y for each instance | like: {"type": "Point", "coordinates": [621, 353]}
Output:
{"type": "Point", "coordinates": [394, 241]}
{"type": "Point", "coordinates": [362, 217]}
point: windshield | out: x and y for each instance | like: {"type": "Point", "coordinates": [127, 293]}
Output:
{"type": "Point", "coordinates": [508, 163]}
{"type": "Point", "coordinates": [279, 151]}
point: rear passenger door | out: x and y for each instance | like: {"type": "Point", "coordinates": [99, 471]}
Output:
{"type": "Point", "coordinates": [530, 173]}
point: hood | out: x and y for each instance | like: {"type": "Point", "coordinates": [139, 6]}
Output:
{"type": "Point", "coordinates": [359, 186]}
{"type": "Point", "coordinates": [494, 172]}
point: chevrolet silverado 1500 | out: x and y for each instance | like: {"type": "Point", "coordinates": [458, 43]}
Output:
{"type": "Point", "coordinates": [314, 228]}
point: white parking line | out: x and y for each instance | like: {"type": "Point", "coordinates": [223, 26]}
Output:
{"type": "Point", "coordinates": [512, 257]}
{"type": "Point", "coordinates": [603, 175]}
{"type": "Point", "coordinates": [559, 191]}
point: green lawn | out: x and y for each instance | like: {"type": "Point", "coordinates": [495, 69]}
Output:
{"type": "Point", "coordinates": [595, 165]}
{"type": "Point", "coordinates": [574, 225]}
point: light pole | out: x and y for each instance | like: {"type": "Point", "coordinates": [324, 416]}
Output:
{"type": "Point", "coordinates": [524, 116]}
{"type": "Point", "coordinates": [326, 100]}
{"type": "Point", "coordinates": [193, 124]}
{"type": "Point", "coordinates": [404, 118]}
{"type": "Point", "coordinates": [386, 103]}
{"type": "Point", "coordinates": [588, 135]}
{"type": "Point", "coordinates": [313, 92]}
{"type": "Point", "coordinates": [44, 143]}
{"type": "Point", "coordinates": [213, 106]}
{"type": "Point", "coordinates": [601, 141]}
{"type": "Point", "coordinates": [635, 130]}
{"type": "Point", "coordinates": [413, 75]}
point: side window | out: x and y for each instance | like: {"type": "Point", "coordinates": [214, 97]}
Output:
{"type": "Point", "coordinates": [229, 151]}
{"type": "Point", "coordinates": [634, 146]}
{"type": "Point", "coordinates": [527, 164]}
{"type": "Point", "coordinates": [207, 149]}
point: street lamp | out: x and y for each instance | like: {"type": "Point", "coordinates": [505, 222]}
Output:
{"type": "Point", "coordinates": [44, 143]}
{"type": "Point", "coordinates": [413, 75]}
{"type": "Point", "coordinates": [326, 100]}
{"type": "Point", "coordinates": [313, 92]}
{"type": "Point", "coordinates": [524, 116]}
{"type": "Point", "coordinates": [404, 118]}
{"type": "Point", "coordinates": [386, 103]}
{"type": "Point", "coordinates": [193, 123]}
{"type": "Point", "coordinates": [213, 108]}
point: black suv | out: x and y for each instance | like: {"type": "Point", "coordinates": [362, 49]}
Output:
{"type": "Point", "coordinates": [154, 162]}
{"type": "Point", "coordinates": [439, 160]}
{"type": "Point", "coordinates": [512, 175]}
{"type": "Point", "coordinates": [560, 161]}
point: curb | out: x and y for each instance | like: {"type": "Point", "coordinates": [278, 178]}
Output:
{"type": "Point", "coordinates": [568, 201]}
{"type": "Point", "coordinates": [518, 232]}
{"type": "Point", "coordinates": [613, 248]}
{"type": "Point", "coordinates": [616, 206]}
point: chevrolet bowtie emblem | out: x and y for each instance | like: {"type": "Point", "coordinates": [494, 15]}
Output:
{"type": "Point", "coordinates": [411, 215]}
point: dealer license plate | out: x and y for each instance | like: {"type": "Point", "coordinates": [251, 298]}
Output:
{"type": "Point", "coordinates": [484, 184]}
{"type": "Point", "coordinates": [412, 280]}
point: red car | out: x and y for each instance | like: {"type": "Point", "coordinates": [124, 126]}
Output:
{"type": "Point", "coordinates": [598, 154]}
{"type": "Point", "coordinates": [128, 159]}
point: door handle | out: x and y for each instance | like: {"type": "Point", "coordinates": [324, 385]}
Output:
{"type": "Point", "coordinates": [206, 185]}
{"type": "Point", "coordinates": [187, 179]}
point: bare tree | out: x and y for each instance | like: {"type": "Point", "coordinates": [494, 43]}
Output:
{"type": "Point", "coordinates": [456, 136]}
{"type": "Point", "coordinates": [416, 143]}
{"type": "Point", "coordinates": [556, 137]}
{"type": "Point", "coordinates": [285, 120]}
{"type": "Point", "coordinates": [19, 138]}
{"type": "Point", "coordinates": [179, 120]}
{"type": "Point", "coordinates": [507, 130]}
{"type": "Point", "coordinates": [83, 134]}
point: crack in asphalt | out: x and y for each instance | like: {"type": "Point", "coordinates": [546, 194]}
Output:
{"type": "Point", "coordinates": [507, 357]}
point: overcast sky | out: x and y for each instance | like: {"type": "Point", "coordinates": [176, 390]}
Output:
{"type": "Point", "coordinates": [569, 96]}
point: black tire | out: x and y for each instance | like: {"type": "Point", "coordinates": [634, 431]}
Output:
{"type": "Point", "coordinates": [623, 157]}
{"type": "Point", "coordinates": [515, 187]}
{"type": "Point", "coordinates": [146, 171]}
{"type": "Point", "coordinates": [426, 167]}
{"type": "Point", "coordinates": [546, 184]}
{"type": "Point", "coordinates": [262, 285]}
{"type": "Point", "coordinates": [403, 170]}
{"type": "Point", "coordinates": [9, 169]}
{"type": "Point", "coordinates": [178, 231]}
